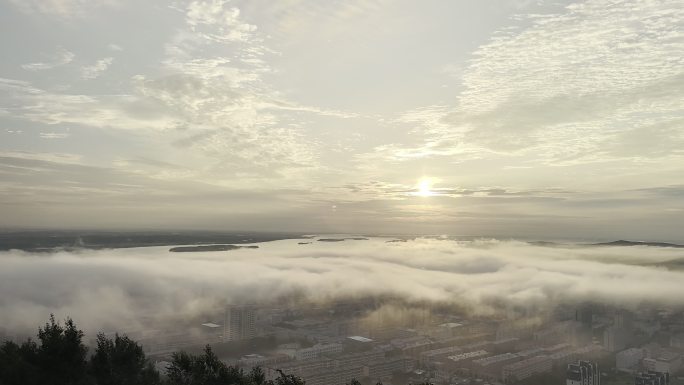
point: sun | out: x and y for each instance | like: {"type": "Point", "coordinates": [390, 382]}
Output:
{"type": "Point", "coordinates": [424, 186]}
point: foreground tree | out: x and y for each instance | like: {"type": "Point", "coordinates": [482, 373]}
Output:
{"type": "Point", "coordinates": [121, 361]}
{"type": "Point", "coordinates": [203, 369]}
{"type": "Point", "coordinates": [61, 354]}
{"type": "Point", "coordinates": [207, 369]}
{"type": "Point", "coordinates": [18, 363]}
{"type": "Point", "coordinates": [59, 359]}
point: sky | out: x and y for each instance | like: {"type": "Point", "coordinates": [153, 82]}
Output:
{"type": "Point", "coordinates": [131, 289]}
{"type": "Point", "coordinates": [520, 118]}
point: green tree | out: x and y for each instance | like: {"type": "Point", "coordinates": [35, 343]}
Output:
{"type": "Point", "coordinates": [204, 369]}
{"type": "Point", "coordinates": [18, 364]}
{"type": "Point", "coordinates": [121, 361]}
{"type": "Point", "coordinates": [290, 379]}
{"type": "Point", "coordinates": [61, 354]}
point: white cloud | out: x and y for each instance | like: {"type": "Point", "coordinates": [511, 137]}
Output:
{"type": "Point", "coordinates": [93, 71]}
{"type": "Point", "coordinates": [598, 90]}
{"type": "Point", "coordinates": [65, 9]}
{"type": "Point", "coordinates": [224, 22]}
{"type": "Point", "coordinates": [115, 47]}
{"type": "Point", "coordinates": [66, 158]}
{"type": "Point", "coordinates": [60, 58]}
{"type": "Point", "coordinates": [102, 111]}
{"type": "Point", "coordinates": [54, 135]}
{"type": "Point", "coordinates": [570, 82]}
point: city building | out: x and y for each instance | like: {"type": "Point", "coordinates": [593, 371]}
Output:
{"type": "Point", "coordinates": [446, 330]}
{"type": "Point", "coordinates": [299, 368]}
{"type": "Point", "coordinates": [665, 362]}
{"type": "Point", "coordinates": [317, 351]}
{"type": "Point", "coordinates": [468, 355]}
{"type": "Point", "coordinates": [583, 373]}
{"type": "Point", "coordinates": [615, 338]}
{"type": "Point", "coordinates": [557, 333]}
{"type": "Point", "coordinates": [652, 378]}
{"type": "Point", "coordinates": [250, 361]}
{"type": "Point", "coordinates": [240, 323]}
{"type": "Point", "coordinates": [426, 358]}
{"type": "Point", "coordinates": [526, 368]}
{"type": "Point", "coordinates": [380, 370]}
{"type": "Point", "coordinates": [628, 360]}
{"type": "Point", "coordinates": [677, 341]}
{"type": "Point", "coordinates": [358, 359]}
{"type": "Point", "coordinates": [563, 357]}
{"type": "Point", "coordinates": [490, 367]}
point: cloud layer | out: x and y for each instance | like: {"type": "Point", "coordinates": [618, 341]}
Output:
{"type": "Point", "coordinates": [122, 289]}
{"type": "Point", "coordinates": [526, 116]}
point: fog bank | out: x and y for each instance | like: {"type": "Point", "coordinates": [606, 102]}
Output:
{"type": "Point", "coordinates": [122, 289]}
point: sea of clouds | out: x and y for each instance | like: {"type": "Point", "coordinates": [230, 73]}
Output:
{"type": "Point", "coordinates": [120, 289]}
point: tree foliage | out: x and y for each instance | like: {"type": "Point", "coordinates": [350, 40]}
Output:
{"type": "Point", "coordinates": [59, 357]}
{"type": "Point", "coordinates": [121, 361]}
{"type": "Point", "coordinates": [207, 369]}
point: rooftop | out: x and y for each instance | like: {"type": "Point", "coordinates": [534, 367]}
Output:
{"type": "Point", "coordinates": [360, 339]}
{"type": "Point", "coordinates": [211, 325]}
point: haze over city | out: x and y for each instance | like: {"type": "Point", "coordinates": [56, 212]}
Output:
{"type": "Point", "coordinates": [293, 192]}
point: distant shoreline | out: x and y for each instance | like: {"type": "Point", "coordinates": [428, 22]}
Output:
{"type": "Point", "coordinates": [66, 240]}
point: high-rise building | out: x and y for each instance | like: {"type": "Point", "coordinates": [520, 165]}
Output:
{"type": "Point", "coordinates": [585, 314]}
{"type": "Point", "coordinates": [583, 373]}
{"type": "Point", "coordinates": [615, 338]}
{"type": "Point", "coordinates": [240, 323]}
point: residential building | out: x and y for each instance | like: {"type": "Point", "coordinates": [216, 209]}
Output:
{"type": "Point", "coordinates": [490, 367]}
{"type": "Point", "coordinates": [665, 362]}
{"type": "Point", "coordinates": [583, 373]}
{"type": "Point", "coordinates": [615, 338]}
{"type": "Point", "coordinates": [240, 323]}
{"type": "Point", "coordinates": [527, 368]}
{"type": "Point", "coordinates": [652, 378]}
{"type": "Point", "coordinates": [317, 351]}
{"type": "Point", "coordinates": [628, 360]}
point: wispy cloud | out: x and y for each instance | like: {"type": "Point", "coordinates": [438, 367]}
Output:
{"type": "Point", "coordinates": [60, 58]}
{"type": "Point", "coordinates": [578, 78]}
{"type": "Point", "coordinates": [93, 71]}
{"type": "Point", "coordinates": [54, 135]}
{"type": "Point", "coordinates": [63, 9]}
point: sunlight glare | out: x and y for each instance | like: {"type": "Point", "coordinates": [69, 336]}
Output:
{"type": "Point", "coordinates": [424, 188]}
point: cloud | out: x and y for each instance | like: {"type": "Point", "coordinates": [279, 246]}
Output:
{"type": "Point", "coordinates": [583, 85]}
{"type": "Point", "coordinates": [588, 73]}
{"type": "Point", "coordinates": [115, 47]}
{"type": "Point", "coordinates": [63, 9]}
{"type": "Point", "coordinates": [60, 58]}
{"type": "Point", "coordinates": [209, 95]}
{"type": "Point", "coordinates": [121, 112]}
{"type": "Point", "coordinates": [225, 21]}
{"type": "Point", "coordinates": [63, 158]}
{"type": "Point", "coordinates": [93, 71]}
{"type": "Point", "coordinates": [54, 135]}
{"type": "Point", "coordinates": [117, 289]}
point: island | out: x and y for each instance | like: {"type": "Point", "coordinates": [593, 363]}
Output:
{"type": "Point", "coordinates": [185, 249]}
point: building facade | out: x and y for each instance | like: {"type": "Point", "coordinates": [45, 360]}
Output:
{"type": "Point", "coordinates": [526, 369]}
{"type": "Point", "coordinates": [583, 373]}
{"type": "Point", "coordinates": [240, 323]}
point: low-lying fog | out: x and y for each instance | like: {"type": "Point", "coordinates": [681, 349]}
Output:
{"type": "Point", "coordinates": [116, 289]}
